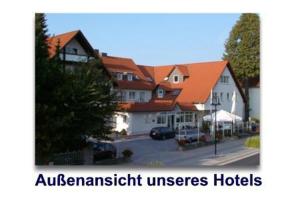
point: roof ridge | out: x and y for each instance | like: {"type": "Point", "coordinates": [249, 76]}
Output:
{"type": "Point", "coordinates": [66, 33]}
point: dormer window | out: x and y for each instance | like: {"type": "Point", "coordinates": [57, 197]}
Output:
{"type": "Point", "coordinates": [129, 77]}
{"type": "Point", "coordinates": [176, 79]}
{"type": "Point", "coordinates": [160, 93]}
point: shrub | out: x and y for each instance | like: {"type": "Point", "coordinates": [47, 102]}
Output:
{"type": "Point", "coordinates": [127, 153]}
{"type": "Point", "coordinates": [181, 142]}
{"type": "Point", "coordinates": [253, 142]}
{"type": "Point", "coordinates": [205, 127]}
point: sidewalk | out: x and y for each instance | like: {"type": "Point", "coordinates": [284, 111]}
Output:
{"type": "Point", "coordinates": [225, 159]}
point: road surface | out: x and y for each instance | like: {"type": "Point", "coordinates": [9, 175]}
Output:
{"type": "Point", "coordinates": [165, 153]}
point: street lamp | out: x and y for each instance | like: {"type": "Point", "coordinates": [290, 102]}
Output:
{"type": "Point", "coordinates": [215, 102]}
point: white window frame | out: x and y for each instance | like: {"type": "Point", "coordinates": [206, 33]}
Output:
{"type": "Point", "coordinates": [129, 77]}
{"type": "Point", "coordinates": [177, 79]}
{"type": "Point", "coordinates": [119, 76]}
{"type": "Point", "coordinates": [161, 119]}
{"type": "Point", "coordinates": [224, 79]}
{"type": "Point", "coordinates": [142, 96]}
{"type": "Point", "coordinates": [130, 95]}
{"type": "Point", "coordinates": [123, 95]}
{"type": "Point", "coordinates": [160, 93]}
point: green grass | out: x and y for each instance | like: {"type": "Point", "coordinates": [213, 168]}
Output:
{"type": "Point", "coordinates": [253, 142]}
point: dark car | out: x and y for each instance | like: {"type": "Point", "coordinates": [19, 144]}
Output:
{"type": "Point", "coordinates": [162, 133]}
{"type": "Point", "coordinates": [103, 150]}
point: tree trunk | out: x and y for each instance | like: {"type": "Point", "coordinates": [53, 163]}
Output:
{"type": "Point", "coordinates": [246, 86]}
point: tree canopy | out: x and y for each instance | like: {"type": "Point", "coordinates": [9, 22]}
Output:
{"type": "Point", "coordinates": [242, 49]}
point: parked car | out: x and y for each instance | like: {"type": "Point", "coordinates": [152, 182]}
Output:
{"type": "Point", "coordinates": [190, 136]}
{"type": "Point", "coordinates": [162, 133]}
{"type": "Point", "coordinates": [103, 150]}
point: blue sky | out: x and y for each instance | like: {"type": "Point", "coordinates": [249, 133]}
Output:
{"type": "Point", "coordinates": [151, 39]}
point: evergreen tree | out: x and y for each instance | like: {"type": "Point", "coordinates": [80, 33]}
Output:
{"type": "Point", "coordinates": [242, 50]}
{"type": "Point", "coordinates": [69, 104]}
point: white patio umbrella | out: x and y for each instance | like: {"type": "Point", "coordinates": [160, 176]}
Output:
{"type": "Point", "coordinates": [222, 116]}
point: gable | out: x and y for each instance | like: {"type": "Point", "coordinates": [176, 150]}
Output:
{"type": "Point", "coordinates": [68, 39]}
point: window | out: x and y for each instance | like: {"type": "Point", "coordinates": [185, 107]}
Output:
{"type": "Point", "coordinates": [228, 96]}
{"type": "Point", "coordinates": [180, 117]}
{"type": "Point", "coordinates": [71, 50]}
{"type": "Point", "coordinates": [161, 119]}
{"type": "Point", "coordinates": [221, 96]}
{"type": "Point", "coordinates": [119, 76]}
{"type": "Point", "coordinates": [188, 117]}
{"type": "Point", "coordinates": [224, 79]}
{"type": "Point", "coordinates": [123, 95]}
{"type": "Point", "coordinates": [75, 51]}
{"type": "Point", "coordinates": [160, 93]}
{"type": "Point", "coordinates": [131, 95]}
{"type": "Point", "coordinates": [142, 96]}
{"type": "Point", "coordinates": [215, 94]}
{"type": "Point", "coordinates": [124, 119]}
{"type": "Point", "coordinates": [129, 77]}
{"type": "Point", "coordinates": [175, 79]}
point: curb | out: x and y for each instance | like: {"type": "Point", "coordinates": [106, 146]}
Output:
{"type": "Point", "coordinates": [236, 158]}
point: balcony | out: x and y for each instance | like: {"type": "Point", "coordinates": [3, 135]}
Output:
{"type": "Point", "coordinates": [75, 57]}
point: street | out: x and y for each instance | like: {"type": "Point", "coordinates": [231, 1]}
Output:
{"type": "Point", "coordinates": [164, 153]}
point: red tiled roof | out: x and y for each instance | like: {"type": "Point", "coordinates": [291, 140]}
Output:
{"type": "Point", "coordinates": [183, 69]}
{"type": "Point", "coordinates": [187, 106]}
{"type": "Point", "coordinates": [63, 39]}
{"type": "Point", "coordinates": [197, 87]}
{"type": "Point", "coordinates": [117, 64]}
{"type": "Point", "coordinates": [147, 107]}
{"type": "Point", "coordinates": [201, 78]}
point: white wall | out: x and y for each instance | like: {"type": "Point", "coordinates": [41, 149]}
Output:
{"type": "Point", "coordinates": [228, 88]}
{"type": "Point", "coordinates": [142, 123]}
{"type": "Point", "coordinates": [254, 102]}
{"type": "Point", "coordinates": [137, 123]}
{"type": "Point", "coordinates": [75, 44]}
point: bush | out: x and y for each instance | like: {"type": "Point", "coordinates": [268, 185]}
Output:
{"type": "Point", "coordinates": [127, 153]}
{"type": "Point", "coordinates": [181, 142]}
{"type": "Point", "coordinates": [253, 142]}
{"type": "Point", "coordinates": [205, 127]}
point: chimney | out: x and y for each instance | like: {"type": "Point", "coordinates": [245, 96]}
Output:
{"type": "Point", "coordinates": [103, 54]}
{"type": "Point", "coordinates": [96, 51]}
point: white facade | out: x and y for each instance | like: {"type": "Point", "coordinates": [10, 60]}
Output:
{"type": "Point", "coordinates": [143, 122]}
{"type": "Point", "coordinates": [225, 91]}
{"type": "Point", "coordinates": [254, 102]}
{"type": "Point", "coordinates": [74, 52]}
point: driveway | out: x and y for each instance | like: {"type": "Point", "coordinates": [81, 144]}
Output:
{"type": "Point", "coordinates": [147, 151]}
